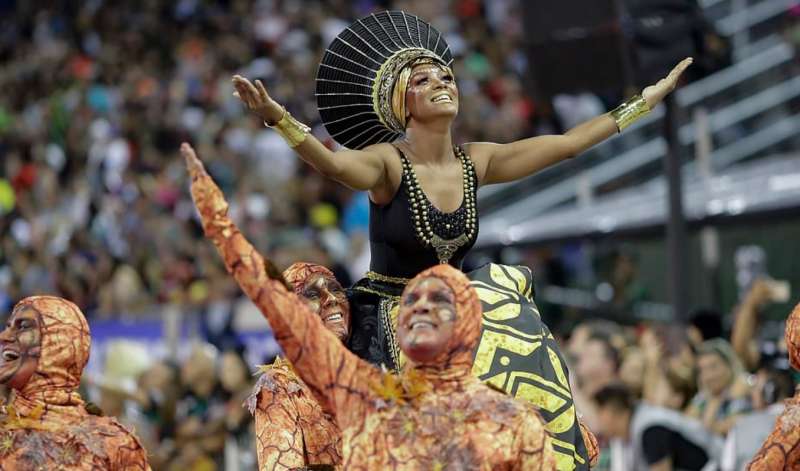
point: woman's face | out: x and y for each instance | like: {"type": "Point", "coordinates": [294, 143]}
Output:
{"type": "Point", "coordinates": [431, 93]}
{"type": "Point", "coordinates": [715, 374]}
{"type": "Point", "coordinates": [426, 320]}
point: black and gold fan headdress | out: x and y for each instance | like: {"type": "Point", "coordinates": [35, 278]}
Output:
{"type": "Point", "coordinates": [356, 93]}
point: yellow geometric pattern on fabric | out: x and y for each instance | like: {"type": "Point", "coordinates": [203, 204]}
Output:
{"type": "Point", "coordinates": [490, 343]}
{"type": "Point", "coordinates": [517, 354]}
{"type": "Point", "coordinates": [513, 279]}
{"type": "Point", "coordinates": [559, 369]}
{"type": "Point", "coordinates": [511, 330]}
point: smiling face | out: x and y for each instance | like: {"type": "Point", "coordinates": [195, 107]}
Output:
{"type": "Point", "coordinates": [326, 297]}
{"type": "Point", "coordinates": [20, 347]}
{"type": "Point", "coordinates": [714, 374]}
{"type": "Point", "coordinates": [431, 93]}
{"type": "Point", "coordinates": [426, 320]}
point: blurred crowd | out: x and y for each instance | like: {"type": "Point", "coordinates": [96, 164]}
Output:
{"type": "Point", "coordinates": [694, 378]}
{"type": "Point", "coordinates": [98, 96]}
{"type": "Point", "coordinates": [189, 414]}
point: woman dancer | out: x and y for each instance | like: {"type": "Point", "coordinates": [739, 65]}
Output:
{"type": "Point", "coordinates": [387, 93]}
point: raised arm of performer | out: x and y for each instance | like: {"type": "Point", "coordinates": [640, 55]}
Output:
{"type": "Point", "coordinates": [368, 169]}
{"type": "Point", "coordinates": [341, 382]}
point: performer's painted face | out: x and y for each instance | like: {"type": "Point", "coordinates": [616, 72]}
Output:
{"type": "Point", "coordinates": [326, 297]}
{"type": "Point", "coordinates": [427, 319]}
{"type": "Point", "coordinates": [20, 344]}
{"type": "Point", "coordinates": [431, 92]}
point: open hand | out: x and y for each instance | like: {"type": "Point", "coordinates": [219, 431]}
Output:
{"type": "Point", "coordinates": [194, 164]}
{"type": "Point", "coordinates": [760, 293]}
{"type": "Point", "coordinates": [257, 100]}
{"type": "Point", "coordinates": [655, 93]}
{"type": "Point", "coordinates": [652, 347]}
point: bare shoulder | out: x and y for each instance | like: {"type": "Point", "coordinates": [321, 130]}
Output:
{"type": "Point", "coordinates": [480, 153]}
{"type": "Point", "coordinates": [384, 151]}
{"type": "Point", "coordinates": [387, 153]}
{"type": "Point", "coordinates": [479, 150]}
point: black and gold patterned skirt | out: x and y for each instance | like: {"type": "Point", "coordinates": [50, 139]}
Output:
{"type": "Point", "coordinates": [517, 353]}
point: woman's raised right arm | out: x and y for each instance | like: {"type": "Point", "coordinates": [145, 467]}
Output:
{"type": "Point", "coordinates": [361, 170]}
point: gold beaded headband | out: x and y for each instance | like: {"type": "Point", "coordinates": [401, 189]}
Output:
{"type": "Point", "coordinates": [391, 82]}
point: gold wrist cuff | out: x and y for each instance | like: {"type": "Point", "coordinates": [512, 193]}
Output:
{"type": "Point", "coordinates": [293, 131]}
{"type": "Point", "coordinates": [630, 111]}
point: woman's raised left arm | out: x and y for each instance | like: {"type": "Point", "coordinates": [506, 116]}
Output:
{"type": "Point", "coordinates": [515, 160]}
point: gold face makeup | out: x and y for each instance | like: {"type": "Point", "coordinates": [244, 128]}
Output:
{"type": "Point", "coordinates": [431, 92]}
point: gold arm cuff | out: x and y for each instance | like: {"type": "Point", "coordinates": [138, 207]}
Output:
{"type": "Point", "coordinates": [630, 111]}
{"type": "Point", "coordinates": [293, 131]}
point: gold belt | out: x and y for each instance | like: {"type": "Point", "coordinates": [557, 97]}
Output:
{"type": "Point", "coordinates": [374, 276]}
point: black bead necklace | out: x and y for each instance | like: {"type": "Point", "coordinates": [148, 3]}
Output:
{"type": "Point", "coordinates": [445, 232]}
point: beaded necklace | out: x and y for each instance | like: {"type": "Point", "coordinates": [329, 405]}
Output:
{"type": "Point", "coordinates": [445, 232]}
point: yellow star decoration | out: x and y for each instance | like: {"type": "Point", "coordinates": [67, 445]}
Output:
{"type": "Point", "coordinates": [68, 454]}
{"type": "Point", "coordinates": [14, 421]}
{"type": "Point", "coordinates": [389, 389]}
{"type": "Point", "coordinates": [6, 443]}
{"type": "Point", "coordinates": [37, 412]}
{"type": "Point", "coordinates": [408, 427]}
{"type": "Point", "coordinates": [280, 364]}
{"type": "Point", "coordinates": [414, 384]}
{"type": "Point", "coordinates": [400, 389]}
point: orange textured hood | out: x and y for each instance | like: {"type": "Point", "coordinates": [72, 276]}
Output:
{"type": "Point", "coordinates": [65, 348]}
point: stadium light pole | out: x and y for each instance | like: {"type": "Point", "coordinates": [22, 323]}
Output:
{"type": "Point", "coordinates": [677, 245]}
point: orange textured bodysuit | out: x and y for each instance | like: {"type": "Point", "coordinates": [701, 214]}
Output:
{"type": "Point", "coordinates": [292, 430]}
{"type": "Point", "coordinates": [46, 426]}
{"type": "Point", "coordinates": [432, 417]}
{"type": "Point", "coordinates": [781, 450]}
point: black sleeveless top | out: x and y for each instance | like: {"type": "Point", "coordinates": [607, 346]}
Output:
{"type": "Point", "coordinates": [409, 234]}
